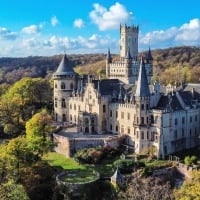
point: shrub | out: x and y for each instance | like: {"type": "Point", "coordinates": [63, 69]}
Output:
{"type": "Point", "coordinates": [190, 160]}
{"type": "Point", "coordinates": [194, 159]}
{"type": "Point", "coordinates": [95, 155]}
{"type": "Point", "coordinates": [125, 166]}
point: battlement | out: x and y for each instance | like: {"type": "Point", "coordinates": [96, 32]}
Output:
{"type": "Point", "coordinates": [129, 28]}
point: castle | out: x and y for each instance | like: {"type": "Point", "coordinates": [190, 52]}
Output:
{"type": "Point", "coordinates": [126, 104]}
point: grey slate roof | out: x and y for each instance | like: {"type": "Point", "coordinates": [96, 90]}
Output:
{"type": "Point", "coordinates": [142, 89]}
{"type": "Point", "coordinates": [107, 86]}
{"type": "Point", "coordinates": [169, 102]}
{"type": "Point", "coordinates": [65, 67]}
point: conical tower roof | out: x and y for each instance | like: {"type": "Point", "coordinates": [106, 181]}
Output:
{"type": "Point", "coordinates": [65, 67]}
{"type": "Point", "coordinates": [142, 89]}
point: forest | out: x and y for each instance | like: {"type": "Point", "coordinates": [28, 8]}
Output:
{"type": "Point", "coordinates": [171, 65]}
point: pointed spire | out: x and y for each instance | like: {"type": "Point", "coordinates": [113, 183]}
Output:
{"type": "Point", "coordinates": [149, 55]}
{"type": "Point", "coordinates": [64, 68]}
{"type": "Point", "coordinates": [142, 89]}
{"type": "Point", "coordinates": [109, 57]}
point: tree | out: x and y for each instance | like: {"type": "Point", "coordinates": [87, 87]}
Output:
{"type": "Point", "coordinates": [145, 189]}
{"type": "Point", "coordinates": [190, 190]}
{"type": "Point", "coordinates": [19, 155]}
{"type": "Point", "coordinates": [21, 100]}
{"type": "Point", "coordinates": [38, 132]}
{"type": "Point", "coordinates": [190, 160]}
{"type": "Point", "coordinates": [12, 191]}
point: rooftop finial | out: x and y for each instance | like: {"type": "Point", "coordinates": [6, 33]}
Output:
{"type": "Point", "coordinates": [149, 42]}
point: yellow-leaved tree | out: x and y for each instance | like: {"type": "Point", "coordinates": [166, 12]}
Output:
{"type": "Point", "coordinates": [190, 190]}
{"type": "Point", "coordinates": [38, 132]}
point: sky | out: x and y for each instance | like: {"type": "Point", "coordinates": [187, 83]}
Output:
{"type": "Point", "coordinates": [51, 27]}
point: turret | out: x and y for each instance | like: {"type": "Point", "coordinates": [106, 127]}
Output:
{"type": "Point", "coordinates": [142, 101]}
{"type": "Point", "coordinates": [142, 89]}
{"type": "Point", "coordinates": [64, 84]}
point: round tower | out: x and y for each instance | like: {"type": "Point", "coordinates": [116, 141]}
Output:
{"type": "Point", "coordinates": [64, 84]}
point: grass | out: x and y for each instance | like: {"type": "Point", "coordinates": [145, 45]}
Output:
{"type": "Point", "coordinates": [59, 160]}
{"type": "Point", "coordinates": [80, 176]}
{"type": "Point", "coordinates": [76, 172]}
{"type": "Point", "coordinates": [84, 173]}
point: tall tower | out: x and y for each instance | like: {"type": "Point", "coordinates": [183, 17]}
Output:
{"type": "Point", "coordinates": [64, 84]}
{"type": "Point", "coordinates": [129, 41]}
{"type": "Point", "coordinates": [142, 100]}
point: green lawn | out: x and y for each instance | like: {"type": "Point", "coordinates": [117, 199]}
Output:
{"type": "Point", "coordinates": [59, 160]}
{"type": "Point", "coordinates": [84, 173]}
{"type": "Point", "coordinates": [76, 172]}
{"type": "Point", "coordinates": [81, 176]}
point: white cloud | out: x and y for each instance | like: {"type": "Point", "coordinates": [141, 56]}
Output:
{"type": "Point", "coordinates": [32, 29]}
{"type": "Point", "coordinates": [20, 44]}
{"type": "Point", "coordinates": [79, 23]}
{"type": "Point", "coordinates": [109, 19]}
{"type": "Point", "coordinates": [187, 34]}
{"type": "Point", "coordinates": [54, 21]}
{"type": "Point", "coordinates": [6, 34]}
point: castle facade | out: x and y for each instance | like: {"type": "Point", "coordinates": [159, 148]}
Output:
{"type": "Point", "coordinates": [165, 119]}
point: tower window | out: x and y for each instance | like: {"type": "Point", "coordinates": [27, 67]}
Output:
{"type": "Point", "coordinates": [55, 85]}
{"type": "Point", "coordinates": [104, 108]}
{"type": "Point", "coordinates": [56, 102]}
{"type": "Point", "coordinates": [62, 85]}
{"type": "Point", "coordinates": [63, 104]}
{"type": "Point", "coordinates": [116, 129]}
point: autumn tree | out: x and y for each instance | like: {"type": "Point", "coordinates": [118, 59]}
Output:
{"type": "Point", "coordinates": [145, 189]}
{"type": "Point", "coordinates": [21, 101]}
{"type": "Point", "coordinates": [190, 190]}
{"type": "Point", "coordinates": [12, 191]}
{"type": "Point", "coordinates": [38, 132]}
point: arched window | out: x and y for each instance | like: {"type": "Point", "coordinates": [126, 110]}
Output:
{"type": "Point", "coordinates": [55, 85]}
{"type": "Point", "coordinates": [62, 85]}
{"type": "Point", "coordinates": [63, 104]}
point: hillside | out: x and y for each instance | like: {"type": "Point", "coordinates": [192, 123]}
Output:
{"type": "Point", "coordinates": [170, 65]}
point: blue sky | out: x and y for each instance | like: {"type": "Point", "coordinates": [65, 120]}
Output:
{"type": "Point", "coordinates": [45, 28]}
